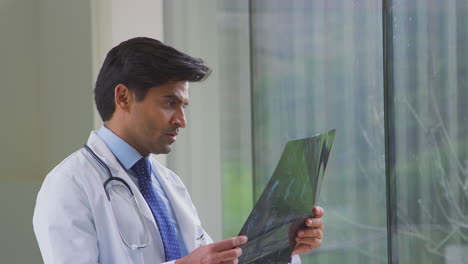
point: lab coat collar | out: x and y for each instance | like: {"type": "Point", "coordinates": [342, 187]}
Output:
{"type": "Point", "coordinates": [125, 153]}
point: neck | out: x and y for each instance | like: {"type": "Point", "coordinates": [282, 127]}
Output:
{"type": "Point", "coordinates": [121, 132]}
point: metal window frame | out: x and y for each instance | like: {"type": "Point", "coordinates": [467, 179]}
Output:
{"type": "Point", "coordinates": [389, 120]}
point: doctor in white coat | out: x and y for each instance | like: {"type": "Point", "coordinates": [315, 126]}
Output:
{"type": "Point", "coordinates": [94, 208]}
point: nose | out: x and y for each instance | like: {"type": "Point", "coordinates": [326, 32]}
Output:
{"type": "Point", "coordinates": [179, 118]}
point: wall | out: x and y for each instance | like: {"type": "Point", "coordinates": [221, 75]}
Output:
{"type": "Point", "coordinates": [46, 76]}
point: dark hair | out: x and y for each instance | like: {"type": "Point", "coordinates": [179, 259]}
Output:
{"type": "Point", "coordinates": [142, 63]}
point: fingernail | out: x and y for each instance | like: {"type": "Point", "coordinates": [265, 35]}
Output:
{"type": "Point", "coordinates": [242, 239]}
{"type": "Point", "coordinates": [300, 233]}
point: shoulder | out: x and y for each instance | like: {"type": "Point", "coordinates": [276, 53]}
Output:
{"type": "Point", "coordinates": [62, 190]}
{"type": "Point", "coordinates": [73, 173]}
{"type": "Point", "coordinates": [66, 169]}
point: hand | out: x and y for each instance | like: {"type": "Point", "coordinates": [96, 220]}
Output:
{"type": "Point", "coordinates": [310, 237]}
{"type": "Point", "coordinates": [225, 251]}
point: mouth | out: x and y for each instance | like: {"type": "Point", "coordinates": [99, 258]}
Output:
{"type": "Point", "coordinates": [172, 136]}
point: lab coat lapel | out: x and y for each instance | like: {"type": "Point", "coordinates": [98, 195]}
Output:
{"type": "Point", "coordinates": [103, 152]}
{"type": "Point", "coordinates": [178, 199]}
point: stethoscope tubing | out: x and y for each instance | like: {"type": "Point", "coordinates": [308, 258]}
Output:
{"type": "Point", "coordinates": [112, 178]}
{"type": "Point", "coordinates": [109, 174]}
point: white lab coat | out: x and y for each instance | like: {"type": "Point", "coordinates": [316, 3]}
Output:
{"type": "Point", "coordinates": [74, 223]}
{"type": "Point", "coordinates": [73, 219]}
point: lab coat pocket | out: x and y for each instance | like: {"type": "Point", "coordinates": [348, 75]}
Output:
{"type": "Point", "coordinates": [200, 239]}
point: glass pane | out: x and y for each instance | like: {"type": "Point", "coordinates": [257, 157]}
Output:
{"type": "Point", "coordinates": [431, 126]}
{"type": "Point", "coordinates": [317, 65]}
{"type": "Point", "coordinates": [235, 124]}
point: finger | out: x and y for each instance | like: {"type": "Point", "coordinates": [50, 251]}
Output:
{"type": "Point", "coordinates": [312, 241]}
{"type": "Point", "coordinates": [236, 261]}
{"type": "Point", "coordinates": [315, 232]}
{"type": "Point", "coordinates": [314, 223]}
{"type": "Point", "coordinates": [301, 249]}
{"type": "Point", "coordinates": [229, 255]}
{"type": "Point", "coordinates": [229, 243]}
{"type": "Point", "coordinates": [318, 211]}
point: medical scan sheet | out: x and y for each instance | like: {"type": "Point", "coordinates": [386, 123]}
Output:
{"type": "Point", "coordinates": [287, 200]}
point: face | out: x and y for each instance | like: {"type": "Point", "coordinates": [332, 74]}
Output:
{"type": "Point", "coordinates": [154, 122]}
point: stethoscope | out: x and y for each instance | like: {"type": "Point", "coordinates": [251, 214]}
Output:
{"type": "Point", "coordinates": [107, 184]}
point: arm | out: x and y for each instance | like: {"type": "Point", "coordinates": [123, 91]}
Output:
{"type": "Point", "coordinates": [63, 222]}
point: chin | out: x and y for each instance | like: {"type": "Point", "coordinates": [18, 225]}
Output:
{"type": "Point", "coordinates": [163, 150]}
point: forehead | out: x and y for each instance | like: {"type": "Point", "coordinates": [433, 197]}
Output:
{"type": "Point", "coordinates": [172, 89]}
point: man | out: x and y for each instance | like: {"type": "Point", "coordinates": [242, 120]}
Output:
{"type": "Point", "coordinates": [85, 210]}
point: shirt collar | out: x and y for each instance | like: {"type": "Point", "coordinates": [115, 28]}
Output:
{"type": "Point", "coordinates": [125, 153]}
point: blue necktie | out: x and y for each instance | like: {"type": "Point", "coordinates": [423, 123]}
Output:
{"type": "Point", "coordinates": [168, 234]}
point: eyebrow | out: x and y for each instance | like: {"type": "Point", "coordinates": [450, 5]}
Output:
{"type": "Point", "coordinates": [175, 97]}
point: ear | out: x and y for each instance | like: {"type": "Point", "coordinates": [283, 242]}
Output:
{"type": "Point", "coordinates": [122, 97]}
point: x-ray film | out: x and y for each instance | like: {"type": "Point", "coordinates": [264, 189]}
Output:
{"type": "Point", "coordinates": [287, 201]}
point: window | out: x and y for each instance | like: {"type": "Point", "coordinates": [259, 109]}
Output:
{"type": "Point", "coordinates": [390, 76]}
{"type": "Point", "coordinates": [430, 130]}
{"type": "Point", "coordinates": [318, 68]}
